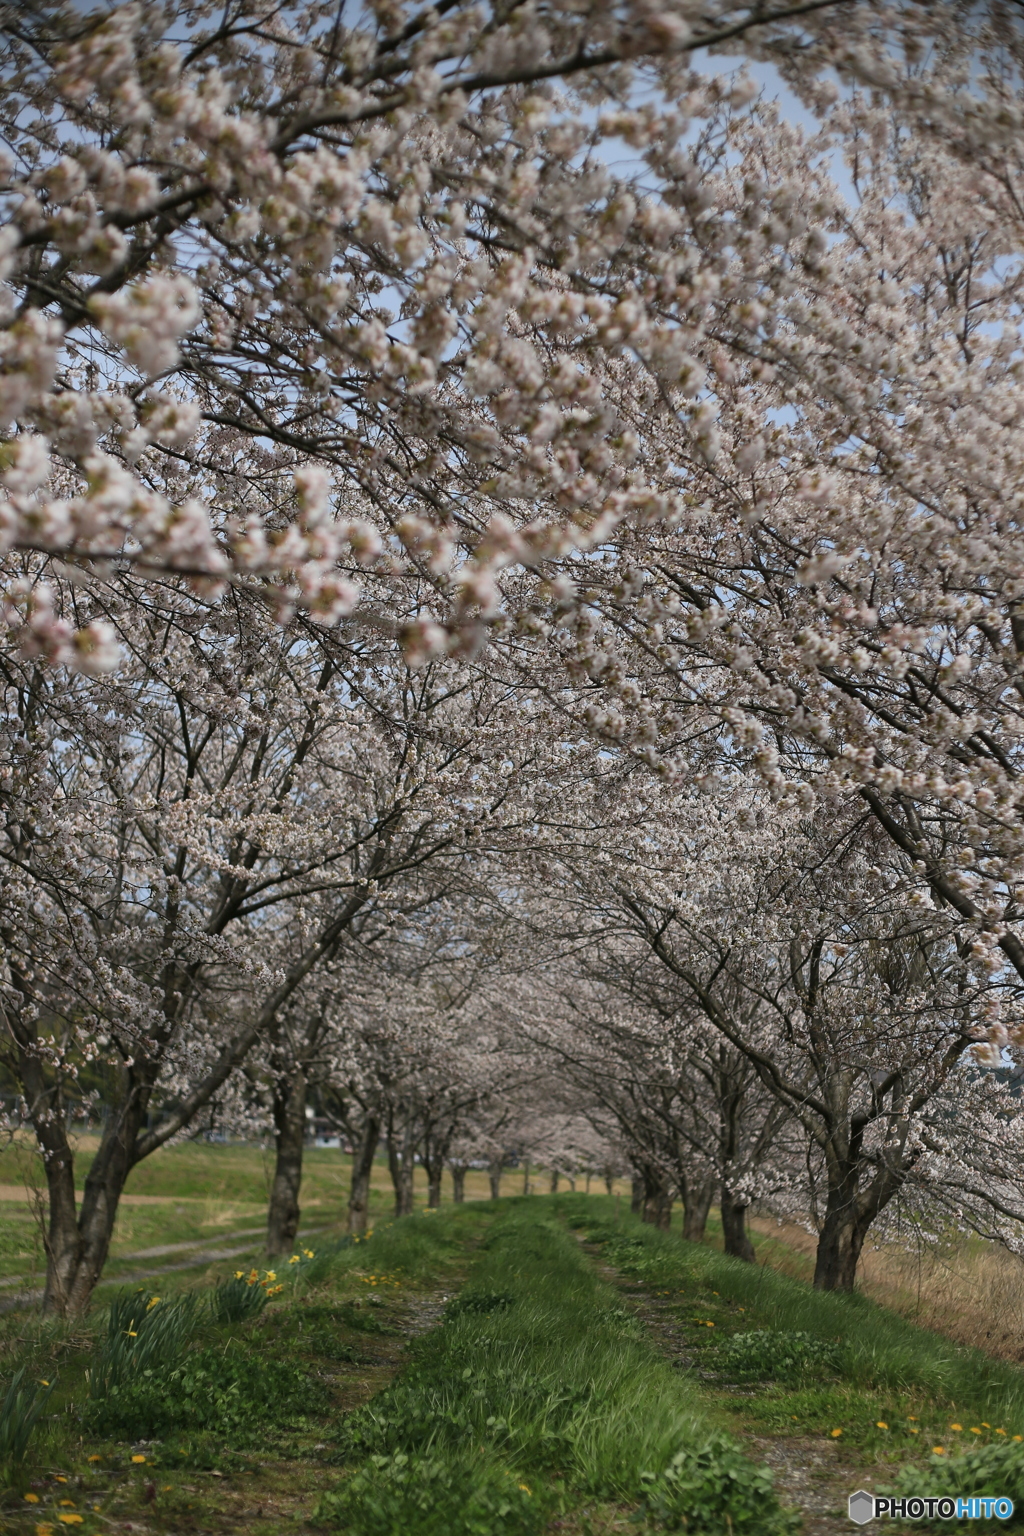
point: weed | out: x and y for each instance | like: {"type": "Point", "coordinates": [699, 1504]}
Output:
{"type": "Point", "coordinates": [463, 1496]}
{"type": "Point", "coordinates": [144, 1333]}
{"type": "Point", "coordinates": [713, 1488]}
{"type": "Point", "coordinates": [479, 1301]}
{"type": "Point", "coordinates": [779, 1355]}
{"type": "Point", "coordinates": [20, 1411]}
{"type": "Point", "coordinates": [238, 1300]}
{"type": "Point", "coordinates": [996, 1470]}
{"type": "Point", "coordinates": [361, 1319]}
{"type": "Point", "coordinates": [234, 1395]}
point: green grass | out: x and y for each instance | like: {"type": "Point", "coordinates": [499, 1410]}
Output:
{"type": "Point", "coordinates": [535, 1396]}
{"type": "Point", "coordinates": [914, 1408]}
{"type": "Point", "coordinates": [251, 1403]}
{"type": "Point", "coordinates": [540, 1376]}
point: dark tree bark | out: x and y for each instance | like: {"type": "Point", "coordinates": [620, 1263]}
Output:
{"type": "Point", "coordinates": [849, 1212]}
{"type": "Point", "coordinates": [554, 1181]}
{"type": "Point", "coordinates": [78, 1241]}
{"type": "Point", "coordinates": [494, 1171]}
{"type": "Point", "coordinates": [697, 1194]}
{"type": "Point", "coordinates": [363, 1154]}
{"type": "Point", "coordinates": [402, 1165]}
{"type": "Point", "coordinates": [458, 1183]}
{"type": "Point", "coordinates": [734, 1227]}
{"type": "Point", "coordinates": [636, 1199]}
{"type": "Point", "coordinates": [609, 1182]}
{"type": "Point", "coordinates": [435, 1174]}
{"type": "Point", "coordinates": [289, 1138]}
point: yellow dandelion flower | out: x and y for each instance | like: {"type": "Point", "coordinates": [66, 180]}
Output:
{"type": "Point", "coordinates": [67, 1503]}
{"type": "Point", "coordinates": [70, 1519]}
{"type": "Point", "coordinates": [294, 1259]}
{"type": "Point", "coordinates": [984, 1425]}
{"type": "Point", "coordinates": [31, 1498]}
{"type": "Point", "coordinates": [975, 1430]}
{"type": "Point", "coordinates": [60, 1479]}
{"type": "Point", "coordinates": [956, 1426]}
{"type": "Point", "coordinates": [44, 1530]}
{"type": "Point", "coordinates": [1018, 1438]}
{"type": "Point", "coordinates": [138, 1460]}
{"type": "Point", "coordinates": [43, 1382]}
{"type": "Point", "coordinates": [937, 1450]}
{"type": "Point", "coordinates": [95, 1458]}
{"type": "Point", "coordinates": [1000, 1431]}
{"type": "Point", "coordinates": [912, 1417]}
{"type": "Point", "coordinates": [880, 1424]}
{"type": "Point", "coordinates": [915, 1431]}
{"type": "Point", "coordinates": [836, 1433]}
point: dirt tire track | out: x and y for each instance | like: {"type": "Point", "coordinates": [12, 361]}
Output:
{"type": "Point", "coordinates": [810, 1473]}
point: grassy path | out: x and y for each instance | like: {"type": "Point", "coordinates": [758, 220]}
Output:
{"type": "Point", "coordinates": [833, 1392]}
{"type": "Point", "coordinates": [529, 1367]}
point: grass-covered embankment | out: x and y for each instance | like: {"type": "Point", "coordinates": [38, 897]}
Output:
{"type": "Point", "coordinates": [540, 1394]}
{"type": "Point", "coordinates": [782, 1359]}
{"type": "Point", "coordinates": [202, 1412]}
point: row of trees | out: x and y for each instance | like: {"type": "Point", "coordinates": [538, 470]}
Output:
{"type": "Point", "coordinates": [512, 557]}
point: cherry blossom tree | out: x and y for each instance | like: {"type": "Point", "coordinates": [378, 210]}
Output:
{"type": "Point", "coordinates": [186, 845]}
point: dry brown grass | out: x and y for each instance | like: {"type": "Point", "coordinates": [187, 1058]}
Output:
{"type": "Point", "coordinates": [971, 1291]}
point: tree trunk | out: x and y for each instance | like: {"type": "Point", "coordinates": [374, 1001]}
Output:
{"type": "Point", "coordinates": [363, 1154]}
{"type": "Point", "coordinates": [734, 1227]}
{"type": "Point", "coordinates": [586, 1187]}
{"type": "Point", "coordinates": [402, 1164]}
{"type": "Point", "coordinates": [609, 1183]}
{"type": "Point", "coordinates": [435, 1173]}
{"type": "Point", "coordinates": [289, 1136]}
{"type": "Point", "coordinates": [636, 1202]}
{"type": "Point", "coordinates": [494, 1177]}
{"type": "Point", "coordinates": [458, 1184]}
{"type": "Point", "coordinates": [554, 1181]}
{"type": "Point", "coordinates": [77, 1243]}
{"type": "Point", "coordinates": [842, 1237]}
{"type": "Point", "coordinates": [696, 1205]}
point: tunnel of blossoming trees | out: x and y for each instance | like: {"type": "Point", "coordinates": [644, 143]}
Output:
{"type": "Point", "coordinates": [513, 603]}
